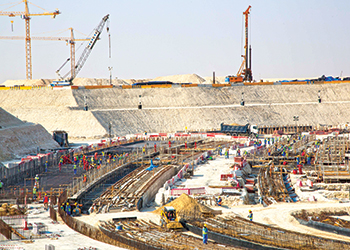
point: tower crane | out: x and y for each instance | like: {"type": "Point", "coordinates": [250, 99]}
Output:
{"type": "Point", "coordinates": [69, 40]}
{"type": "Point", "coordinates": [84, 56]}
{"type": "Point", "coordinates": [27, 16]}
{"type": "Point", "coordinates": [245, 68]}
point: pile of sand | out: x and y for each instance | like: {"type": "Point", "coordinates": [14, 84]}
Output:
{"type": "Point", "coordinates": [132, 81]}
{"type": "Point", "coordinates": [189, 78]}
{"type": "Point", "coordinates": [34, 82]}
{"type": "Point", "coordinates": [186, 205]}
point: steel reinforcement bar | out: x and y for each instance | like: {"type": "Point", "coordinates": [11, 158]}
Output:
{"type": "Point", "coordinates": [262, 234]}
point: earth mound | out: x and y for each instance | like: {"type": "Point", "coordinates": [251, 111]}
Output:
{"type": "Point", "coordinates": [186, 205]}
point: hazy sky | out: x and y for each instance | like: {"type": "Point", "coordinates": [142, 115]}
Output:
{"type": "Point", "coordinates": [290, 39]}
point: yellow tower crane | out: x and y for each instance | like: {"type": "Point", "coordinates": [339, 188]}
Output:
{"type": "Point", "coordinates": [26, 16]}
{"type": "Point", "coordinates": [69, 40]}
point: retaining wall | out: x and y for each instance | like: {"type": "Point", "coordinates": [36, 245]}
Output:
{"type": "Point", "coordinates": [173, 109]}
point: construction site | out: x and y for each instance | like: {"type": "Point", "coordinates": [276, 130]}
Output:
{"type": "Point", "coordinates": [174, 162]}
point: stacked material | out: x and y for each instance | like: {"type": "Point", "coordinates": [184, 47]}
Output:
{"type": "Point", "coordinates": [8, 209]}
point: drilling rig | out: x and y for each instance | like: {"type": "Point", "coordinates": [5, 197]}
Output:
{"type": "Point", "coordinates": [244, 73]}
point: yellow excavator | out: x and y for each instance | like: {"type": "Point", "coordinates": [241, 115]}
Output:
{"type": "Point", "coordinates": [169, 218]}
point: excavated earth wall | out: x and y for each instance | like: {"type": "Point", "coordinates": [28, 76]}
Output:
{"type": "Point", "coordinates": [18, 138]}
{"type": "Point", "coordinates": [173, 109]}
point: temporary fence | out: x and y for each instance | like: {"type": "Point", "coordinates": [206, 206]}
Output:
{"type": "Point", "coordinates": [32, 165]}
{"type": "Point", "coordinates": [188, 191]}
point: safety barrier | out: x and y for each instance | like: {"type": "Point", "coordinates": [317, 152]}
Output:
{"type": "Point", "coordinates": [98, 86]}
{"type": "Point", "coordinates": [189, 85]}
{"type": "Point", "coordinates": [188, 191]}
{"type": "Point", "coordinates": [32, 165]}
{"type": "Point", "coordinates": [258, 83]}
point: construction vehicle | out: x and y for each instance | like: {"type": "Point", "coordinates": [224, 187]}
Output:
{"type": "Point", "coordinates": [64, 81]}
{"type": "Point", "coordinates": [245, 70]}
{"type": "Point", "coordinates": [239, 129]}
{"type": "Point", "coordinates": [169, 218]}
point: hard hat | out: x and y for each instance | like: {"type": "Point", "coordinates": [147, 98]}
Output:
{"type": "Point", "coordinates": [37, 175]}
{"type": "Point", "coordinates": [205, 225]}
{"type": "Point", "coordinates": [250, 211]}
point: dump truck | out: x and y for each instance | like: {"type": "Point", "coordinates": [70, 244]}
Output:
{"type": "Point", "coordinates": [169, 218]}
{"type": "Point", "coordinates": [236, 130]}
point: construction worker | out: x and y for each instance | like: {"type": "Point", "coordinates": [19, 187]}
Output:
{"type": "Point", "coordinates": [1, 184]}
{"type": "Point", "coordinates": [75, 169]}
{"type": "Point", "coordinates": [250, 215]}
{"type": "Point", "coordinates": [144, 150]}
{"type": "Point", "coordinates": [46, 202]}
{"type": "Point", "coordinates": [205, 234]}
{"type": "Point", "coordinates": [46, 165]}
{"type": "Point", "coordinates": [169, 144]}
{"type": "Point", "coordinates": [219, 202]}
{"type": "Point", "coordinates": [68, 209]}
{"type": "Point", "coordinates": [37, 180]}
{"type": "Point", "coordinates": [34, 193]}
{"type": "Point", "coordinates": [155, 147]}
{"type": "Point", "coordinates": [85, 178]}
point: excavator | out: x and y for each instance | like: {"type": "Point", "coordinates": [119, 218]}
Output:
{"type": "Point", "coordinates": [64, 81]}
{"type": "Point", "coordinates": [245, 70]}
{"type": "Point", "coordinates": [169, 218]}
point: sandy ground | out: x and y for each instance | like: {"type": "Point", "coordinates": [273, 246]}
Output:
{"type": "Point", "coordinates": [68, 240]}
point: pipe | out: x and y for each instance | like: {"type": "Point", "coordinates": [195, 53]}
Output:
{"type": "Point", "coordinates": [250, 64]}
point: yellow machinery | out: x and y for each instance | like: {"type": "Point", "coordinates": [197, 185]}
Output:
{"type": "Point", "coordinates": [169, 218]}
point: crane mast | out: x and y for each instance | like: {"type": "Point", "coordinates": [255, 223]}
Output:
{"type": "Point", "coordinates": [27, 16]}
{"type": "Point", "coordinates": [69, 40]}
{"type": "Point", "coordinates": [247, 71]}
